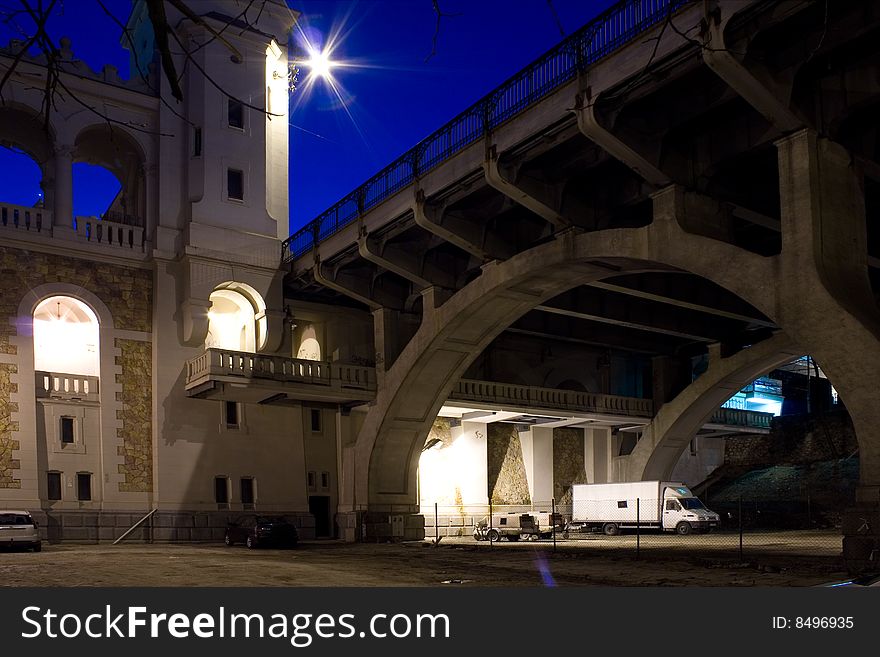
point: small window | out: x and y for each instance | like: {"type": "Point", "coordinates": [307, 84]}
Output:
{"type": "Point", "coordinates": [197, 142]}
{"type": "Point", "coordinates": [235, 113]}
{"type": "Point", "coordinates": [621, 504]}
{"type": "Point", "coordinates": [53, 481]}
{"type": "Point", "coordinates": [221, 490]}
{"type": "Point", "coordinates": [694, 447]}
{"type": "Point", "coordinates": [231, 411]}
{"type": "Point", "coordinates": [84, 486]}
{"type": "Point", "coordinates": [311, 479]}
{"type": "Point", "coordinates": [247, 490]}
{"type": "Point", "coordinates": [67, 430]}
{"type": "Point", "coordinates": [325, 480]}
{"type": "Point", "coordinates": [316, 420]}
{"type": "Point", "coordinates": [671, 505]}
{"type": "Point", "coordinates": [235, 184]}
{"type": "Point", "coordinates": [503, 521]}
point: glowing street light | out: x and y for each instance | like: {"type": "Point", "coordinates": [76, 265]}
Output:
{"type": "Point", "coordinates": [320, 64]}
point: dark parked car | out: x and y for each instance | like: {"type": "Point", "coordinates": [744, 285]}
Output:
{"type": "Point", "coordinates": [260, 531]}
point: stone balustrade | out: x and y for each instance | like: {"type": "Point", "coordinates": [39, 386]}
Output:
{"type": "Point", "coordinates": [111, 233]}
{"type": "Point", "coordinates": [742, 418]}
{"type": "Point", "coordinates": [66, 386]}
{"type": "Point", "coordinates": [550, 398]}
{"type": "Point", "coordinates": [20, 217]}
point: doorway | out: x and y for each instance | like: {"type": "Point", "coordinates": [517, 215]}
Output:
{"type": "Point", "coordinates": [319, 506]}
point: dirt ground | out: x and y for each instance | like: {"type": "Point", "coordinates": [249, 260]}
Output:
{"type": "Point", "coordinates": [455, 562]}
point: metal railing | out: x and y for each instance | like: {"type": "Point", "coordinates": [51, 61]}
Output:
{"type": "Point", "coordinates": [604, 34]}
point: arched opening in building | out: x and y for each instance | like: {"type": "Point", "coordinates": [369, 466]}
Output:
{"type": "Point", "coordinates": [22, 178]}
{"type": "Point", "coordinates": [236, 319]}
{"type": "Point", "coordinates": [309, 349]}
{"type": "Point", "coordinates": [96, 190]}
{"type": "Point", "coordinates": [66, 337]}
{"type": "Point", "coordinates": [109, 175]}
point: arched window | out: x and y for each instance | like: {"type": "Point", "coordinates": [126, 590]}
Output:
{"type": "Point", "coordinates": [66, 337]}
{"type": "Point", "coordinates": [309, 349]}
{"type": "Point", "coordinates": [231, 321]}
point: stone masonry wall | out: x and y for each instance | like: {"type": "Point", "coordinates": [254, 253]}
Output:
{"type": "Point", "coordinates": [136, 415]}
{"type": "Point", "coordinates": [127, 292]}
{"type": "Point", "coordinates": [568, 462]}
{"type": "Point", "coordinates": [8, 427]}
{"type": "Point", "coordinates": [507, 471]}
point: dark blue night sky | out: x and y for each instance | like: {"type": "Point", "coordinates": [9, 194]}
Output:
{"type": "Point", "coordinates": [393, 96]}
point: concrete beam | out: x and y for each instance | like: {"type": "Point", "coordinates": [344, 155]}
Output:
{"type": "Point", "coordinates": [590, 127]}
{"type": "Point", "coordinates": [405, 265]}
{"type": "Point", "coordinates": [724, 63]}
{"type": "Point", "coordinates": [627, 324]}
{"type": "Point", "coordinates": [356, 288]}
{"type": "Point", "coordinates": [430, 218]}
{"type": "Point", "coordinates": [503, 178]}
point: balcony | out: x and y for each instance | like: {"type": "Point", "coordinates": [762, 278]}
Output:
{"type": "Point", "coordinates": [66, 387]}
{"type": "Point", "coordinates": [256, 378]}
{"type": "Point", "coordinates": [738, 417]}
{"type": "Point", "coordinates": [25, 219]}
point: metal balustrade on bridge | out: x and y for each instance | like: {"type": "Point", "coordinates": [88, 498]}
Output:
{"type": "Point", "coordinates": [607, 32]}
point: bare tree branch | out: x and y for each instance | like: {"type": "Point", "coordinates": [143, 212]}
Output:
{"type": "Point", "coordinates": [440, 16]}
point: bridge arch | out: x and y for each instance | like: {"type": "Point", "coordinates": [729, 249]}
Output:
{"type": "Point", "coordinates": [382, 465]}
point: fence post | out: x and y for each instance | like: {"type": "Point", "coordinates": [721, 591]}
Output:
{"type": "Point", "coordinates": [436, 526]}
{"type": "Point", "coordinates": [638, 527]}
{"type": "Point", "coordinates": [740, 529]}
{"type": "Point", "coordinates": [489, 531]}
{"type": "Point", "coordinates": [553, 520]}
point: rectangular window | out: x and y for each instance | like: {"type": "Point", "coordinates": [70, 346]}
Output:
{"type": "Point", "coordinates": [311, 479]}
{"type": "Point", "coordinates": [503, 521]}
{"type": "Point", "coordinates": [325, 480]}
{"type": "Point", "coordinates": [235, 184]}
{"type": "Point", "coordinates": [235, 113]}
{"type": "Point", "coordinates": [197, 142]}
{"type": "Point", "coordinates": [84, 486]}
{"type": "Point", "coordinates": [53, 480]}
{"type": "Point", "coordinates": [694, 447]}
{"type": "Point", "coordinates": [221, 490]}
{"type": "Point", "coordinates": [621, 504]}
{"type": "Point", "coordinates": [247, 490]}
{"type": "Point", "coordinates": [67, 430]}
{"type": "Point", "coordinates": [231, 414]}
{"type": "Point", "coordinates": [316, 420]}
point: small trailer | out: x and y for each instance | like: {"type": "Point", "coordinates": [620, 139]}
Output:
{"type": "Point", "coordinates": [665, 505]}
{"type": "Point", "coordinates": [514, 526]}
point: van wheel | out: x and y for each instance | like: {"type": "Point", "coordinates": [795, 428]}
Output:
{"type": "Point", "coordinates": [610, 529]}
{"type": "Point", "coordinates": [492, 535]}
{"type": "Point", "coordinates": [564, 536]}
{"type": "Point", "coordinates": [683, 528]}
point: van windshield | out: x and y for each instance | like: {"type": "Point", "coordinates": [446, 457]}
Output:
{"type": "Point", "coordinates": [691, 503]}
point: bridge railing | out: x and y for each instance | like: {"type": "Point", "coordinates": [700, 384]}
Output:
{"type": "Point", "coordinates": [742, 418]}
{"type": "Point", "coordinates": [604, 34]}
{"type": "Point", "coordinates": [550, 398]}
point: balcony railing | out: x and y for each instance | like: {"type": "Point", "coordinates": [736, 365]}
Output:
{"type": "Point", "coordinates": [604, 34]}
{"type": "Point", "coordinates": [58, 385]}
{"type": "Point", "coordinates": [110, 233]}
{"type": "Point", "coordinates": [550, 398]}
{"type": "Point", "coordinates": [225, 362]}
{"type": "Point", "coordinates": [19, 217]}
{"type": "Point", "coordinates": [739, 417]}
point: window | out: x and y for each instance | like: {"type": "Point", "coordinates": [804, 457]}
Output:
{"type": "Point", "coordinates": [247, 490]}
{"type": "Point", "coordinates": [316, 420]}
{"type": "Point", "coordinates": [311, 480]}
{"type": "Point", "coordinates": [197, 142]}
{"type": "Point", "coordinates": [672, 505]}
{"type": "Point", "coordinates": [235, 113]}
{"type": "Point", "coordinates": [53, 481]}
{"type": "Point", "coordinates": [621, 504]}
{"type": "Point", "coordinates": [67, 430]}
{"type": "Point", "coordinates": [84, 486]}
{"type": "Point", "coordinates": [221, 490]}
{"type": "Point", "coordinates": [694, 447]}
{"type": "Point", "coordinates": [325, 480]}
{"type": "Point", "coordinates": [235, 184]}
{"type": "Point", "coordinates": [231, 411]}
{"type": "Point", "coordinates": [503, 521]}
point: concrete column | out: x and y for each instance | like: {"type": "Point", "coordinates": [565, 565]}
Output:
{"type": "Point", "coordinates": [151, 200]}
{"type": "Point", "coordinates": [63, 192]}
{"type": "Point", "coordinates": [537, 449]}
{"type": "Point", "coordinates": [597, 454]}
{"type": "Point", "coordinates": [386, 338]}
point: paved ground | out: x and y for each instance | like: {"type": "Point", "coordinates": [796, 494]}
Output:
{"type": "Point", "coordinates": [455, 562]}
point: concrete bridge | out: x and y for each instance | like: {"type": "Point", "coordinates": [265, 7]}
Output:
{"type": "Point", "coordinates": [674, 181]}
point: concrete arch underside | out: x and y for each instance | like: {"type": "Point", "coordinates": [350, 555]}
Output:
{"type": "Point", "coordinates": [380, 469]}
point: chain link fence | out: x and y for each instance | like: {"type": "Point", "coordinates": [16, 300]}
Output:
{"type": "Point", "coordinates": [744, 528]}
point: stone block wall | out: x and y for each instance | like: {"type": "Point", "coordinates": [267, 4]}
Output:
{"type": "Point", "coordinates": [568, 462]}
{"type": "Point", "coordinates": [136, 415]}
{"type": "Point", "coordinates": [8, 428]}
{"type": "Point", "coordinates": [507, 471]}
